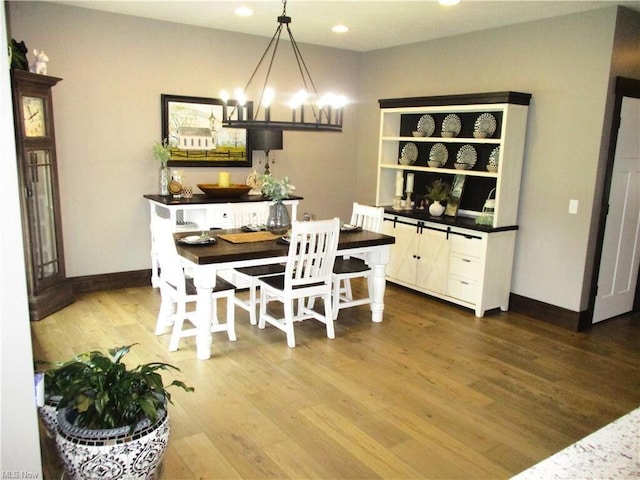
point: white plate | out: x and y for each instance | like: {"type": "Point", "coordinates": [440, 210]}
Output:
{"type": "Point", "coordinates": [426, 125]}
{"type": "Point", "coordinates": [439, 154]}
{"type": "Point", "coordinates": [409, 154]}
{"type": "Point", "coordinates": [451, 125]}
{"type": "Point", "coordinates": [494, 157]}
{"type": "Point", "coordinates": [485, 126]}
{"type": "Point", "coordinates": [197, 240]}
{"type": "Point", "coordinates": [467, 155]}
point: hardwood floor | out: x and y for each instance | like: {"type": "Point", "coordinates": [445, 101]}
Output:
{"type": "Point", "coordinates": [432, 392]}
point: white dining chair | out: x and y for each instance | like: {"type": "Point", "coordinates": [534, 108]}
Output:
{"type": "Point", "coordinates": [346, 268]}
{"type": "Point", "coordinates": [312, 252]}
{"type": "Point", "coordinates": [177, 291]}
{"type": "Point", "coordinates": [251, 214]}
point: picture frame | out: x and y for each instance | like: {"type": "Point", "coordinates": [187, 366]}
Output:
{"type": "Point", "coordinates": [193, 129]}
{"type": "Point", "coordinates": [455, 195]}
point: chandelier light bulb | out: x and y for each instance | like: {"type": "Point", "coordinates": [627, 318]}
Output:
{"type": "Point", "coordinates": [224, 96]}
{"type": "Point", "coordinates": [268, 97]}
{"type": "Point", "coordinates": [241, 98]}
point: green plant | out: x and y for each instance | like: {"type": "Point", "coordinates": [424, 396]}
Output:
{"type": "Point", "coordinates": [438, 191]}
{"type": "Point", "coordinates": [275, 189]}
{"type": "Point", "coordinates": [107, 394]}
{"type": "Point", "coordinates": [162, 152]}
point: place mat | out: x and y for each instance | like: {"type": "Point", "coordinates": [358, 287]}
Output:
{"type": "Point", "coordinates": [248, 237]}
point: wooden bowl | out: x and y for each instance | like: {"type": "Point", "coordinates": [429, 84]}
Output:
{"type": "Point", "coordinates": [232, 191]}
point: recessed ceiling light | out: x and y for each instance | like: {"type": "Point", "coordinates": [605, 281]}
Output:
{"type": "Point", "coordinates": [448, 3]}
{"type": "Point", "coordinates": [340, 29]}
{"type": "Point", "coordinates": [244, 11]}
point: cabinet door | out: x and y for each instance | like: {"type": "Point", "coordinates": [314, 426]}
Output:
{"type": "Point", "coordinates": [402, 262]}
{"type": "Point", "coordinates": [433, 261]}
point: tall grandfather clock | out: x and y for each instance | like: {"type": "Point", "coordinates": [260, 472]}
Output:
{"type": "Point", "coordinates": [49, 289]}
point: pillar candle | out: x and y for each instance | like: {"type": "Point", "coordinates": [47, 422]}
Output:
{"type": "Point", "coordinates": [399, 182]}
{"type": "Point", "coordinates": [410, 182]}
{"type": "Point", "coordinates": [224, 179]}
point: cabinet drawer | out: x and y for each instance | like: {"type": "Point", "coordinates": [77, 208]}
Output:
{"type": "Point", "coordinates": [471, 247]}
{"type": "Point", "coordinates": [463, 289]}
{"type": "Point", "coordinates": [465, 267]}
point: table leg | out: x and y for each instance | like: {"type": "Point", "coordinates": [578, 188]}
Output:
{"type": "Point", "coordinates": [378, 262]}
{"type": "Point", "coordinates": [204, 280]}
{"type": "Point", "coordinates": [377, 289]}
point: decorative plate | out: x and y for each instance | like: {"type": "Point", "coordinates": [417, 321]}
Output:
{"type": "Point", "coordinates": [494, 157]}
{"type": "Point", "coordinates": [427, 125]}
{"type": "Point", "coordinates": [409, 154]}
{"type": "Point", "coordinates": [451, 125]}
{"type": "Point", "coordinates": [467, 155]}
{"type": "Point", "coordinates": [439, 154]}
{"type": "Point", "coordinates": [485, 126]}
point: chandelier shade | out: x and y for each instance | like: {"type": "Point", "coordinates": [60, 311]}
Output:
{"type": "Point", "coordinates": [265, 139]}
{"type": "Point", "coordinates": [309, 111]}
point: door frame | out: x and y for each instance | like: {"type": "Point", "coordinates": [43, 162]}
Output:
{"type": "Point", "coordinates": [625, 87]}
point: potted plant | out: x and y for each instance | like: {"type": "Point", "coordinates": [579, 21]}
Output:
{"type": "Point", "coordinates": [437, 192]}
{"type": "Point", "coordinates": [112, 421]}
{"type": "Point", "coordinates": [277, 190]}
{"type": "Point", "coordinates": [162, 152]}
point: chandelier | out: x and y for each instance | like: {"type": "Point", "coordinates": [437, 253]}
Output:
{"type": "Point", "coordinates": [309, 111]}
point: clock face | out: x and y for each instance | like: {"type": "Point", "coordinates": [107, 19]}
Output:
{"type": "Point", "coordinates": [33, 116]}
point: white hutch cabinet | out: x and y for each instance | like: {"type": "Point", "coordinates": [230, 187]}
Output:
{"type": "Point", "coordinates": [452, 257]}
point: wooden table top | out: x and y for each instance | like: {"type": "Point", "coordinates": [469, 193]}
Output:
{"type": "Point", "coordinates": [223, 251]}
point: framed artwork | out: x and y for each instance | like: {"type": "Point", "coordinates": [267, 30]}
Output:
{"type": "Point", "coordinates": [455, 196]}
{"type": "Point", "coordinates": [193, 128]}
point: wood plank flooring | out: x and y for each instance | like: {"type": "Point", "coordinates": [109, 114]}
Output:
{"type": "Point", "coordinates": [431, 393]}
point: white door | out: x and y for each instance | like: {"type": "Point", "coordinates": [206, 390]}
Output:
{"type": "Point", "coordinates": [621, 247]}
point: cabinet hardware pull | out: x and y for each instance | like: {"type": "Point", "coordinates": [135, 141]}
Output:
{"type": "Point", "coordinates": [466, 260]}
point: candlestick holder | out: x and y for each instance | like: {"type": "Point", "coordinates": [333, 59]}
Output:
{"type": "Point", "coordinates": [408, 205]}
{"type": "Point", "coordinates": [396, 202]}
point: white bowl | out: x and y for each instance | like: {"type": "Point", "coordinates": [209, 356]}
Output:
{"type": "Point", "coordinates": [448, 134]}
{"type": "Point", "coordinates": [419, 134]}
{"type": "Point", "coordinates": [434, 164]}
{"type": "Point", "coordinates": [492, 168]}
{"type": "Point", "coordinates": [480, 134]}
{"type": "Point", "coordinates": [461, 166]}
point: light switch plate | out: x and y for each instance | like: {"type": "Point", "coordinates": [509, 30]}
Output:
{"type": "Point", "coordinates": [573, 207]}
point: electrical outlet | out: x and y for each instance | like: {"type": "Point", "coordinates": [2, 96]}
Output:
{"type": "Point", "coordinates": [573, 207]}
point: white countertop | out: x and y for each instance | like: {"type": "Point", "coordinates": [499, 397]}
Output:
{"type": "Point", "coordinates": [613, 452]}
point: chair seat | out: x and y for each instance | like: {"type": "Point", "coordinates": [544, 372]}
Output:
{"type": "Point", "coordinates": [262, 270]}
{"type": "Point", "coordinates": [349, 265]}
{"type": "Point", "coordinates": [277, 282]}
{"type": "Point", "coordinates": [221, 286]}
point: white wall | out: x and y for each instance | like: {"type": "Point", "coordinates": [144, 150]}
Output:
{"type": "Point", "coordinates": [19, 444]}
{"type": "Point", "coordinates": [107, 113]}
{"type": "Point", "coordinates": [564, 63]}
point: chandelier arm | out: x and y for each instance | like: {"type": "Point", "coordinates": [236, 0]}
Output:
{"type": "Point", "coordinates": [264, 54]}
{"type": "Point", "coordinates": [266, 78]}
{"type": "Point", "coordinates": [302, 67]}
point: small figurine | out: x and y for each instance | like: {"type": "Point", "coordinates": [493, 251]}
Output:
{"type": "Point", "coordinates": [18, 55]}
{"type": "Point", "coordinates": [40, 65]}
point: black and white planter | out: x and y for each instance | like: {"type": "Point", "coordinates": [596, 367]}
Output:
{"type": "Point", "coordinates": [49, 415]}
{"type": "Point", "coordinates": [114, 454]}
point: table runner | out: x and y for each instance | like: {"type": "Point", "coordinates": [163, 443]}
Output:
{"type": "Point", "coordinates": [248, 237]}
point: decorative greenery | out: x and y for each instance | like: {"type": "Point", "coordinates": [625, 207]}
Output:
{"type": "Point", "coordinates": [105, 393]}
{"type": "Point", "coordinates": [275, 189]}
{"type": "Point", "coordinates": [162, 152]}
{"type": "Point", "coordinates": [438, 191]}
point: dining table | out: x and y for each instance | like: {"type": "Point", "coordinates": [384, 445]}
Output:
{"type": "Point", "coordinates": [206, 260]}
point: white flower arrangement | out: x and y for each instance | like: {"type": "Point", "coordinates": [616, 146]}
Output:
{"type": "Point", "coordinates": [275, 189]}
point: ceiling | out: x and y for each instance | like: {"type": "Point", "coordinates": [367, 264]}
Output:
{"type": "Point", "coordinates": [372, 24]}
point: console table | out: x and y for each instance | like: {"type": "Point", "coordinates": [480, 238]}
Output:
{"type": "Point", "coordinates": [202, 212]}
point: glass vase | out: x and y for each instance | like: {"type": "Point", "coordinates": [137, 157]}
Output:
{"type": "Point", "coordinates": [165, 177]}
{"type": "Point", "coordinates": [278, 222]}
